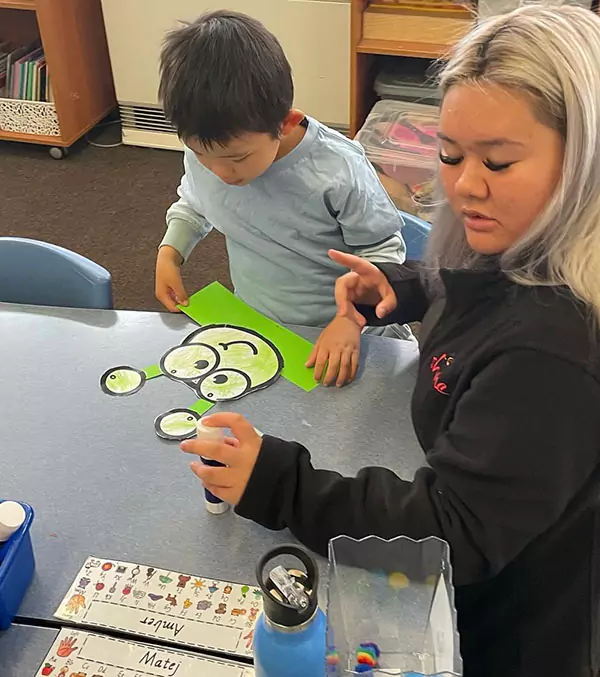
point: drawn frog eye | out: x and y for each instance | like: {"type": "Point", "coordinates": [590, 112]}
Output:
{"type": "Point", "coordinates": [189, 362]}
{"type": "Point", "coordinates": [225, 384]}
{"type": "Point", "coordinates": [121, 381]}
{"type": "Point", "coordinates": [177, 424]}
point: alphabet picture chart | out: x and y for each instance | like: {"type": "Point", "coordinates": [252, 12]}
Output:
{"type": "Point", "coordinates": [142, 600]}
{"type": "Point", "coordinates": [76, 653]}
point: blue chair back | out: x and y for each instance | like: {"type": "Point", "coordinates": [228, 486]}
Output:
{"type": "Point", "coordinates": [40, 273]}
{"type": "Point", "coordinates": [415, 234]}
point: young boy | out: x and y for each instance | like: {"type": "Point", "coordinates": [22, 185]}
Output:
{"type": "Point", "coordinates": [281, 187]}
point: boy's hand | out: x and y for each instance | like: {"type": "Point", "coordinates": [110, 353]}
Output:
{"type": "Point", "coordinates": [335, 355]}
{"type": "Point", "coordinates": [238, 454]}
{"type": "Point", "coordinates": [169, 285]}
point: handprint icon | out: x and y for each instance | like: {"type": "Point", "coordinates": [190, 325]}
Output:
{"type": "Point", "coordinates": [75, 604]}
{"type": "Point", "coordinates": [66, 647]}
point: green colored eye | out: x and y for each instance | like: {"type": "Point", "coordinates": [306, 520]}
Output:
{"type": "Point", "coordinates": [225, 384]}
{"type": "Point", "coordinates": [189, 362]}
{"type": "Point", "coordinates": [121, 381]}
{"type": "Point", "coordinates": [177, 424]}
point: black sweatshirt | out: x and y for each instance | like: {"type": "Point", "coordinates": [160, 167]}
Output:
{"type": "Point", "coordinates": [507, 409]}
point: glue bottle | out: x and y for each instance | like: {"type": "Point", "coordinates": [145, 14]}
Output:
{"type": "Point", "coordinates": [12, 516]}
{"type": "Point", "coordinates": [289, 637]}
{"type": "Point", "coordinates": [206, 433]}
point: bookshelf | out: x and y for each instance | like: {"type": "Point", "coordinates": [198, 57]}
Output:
{"type": "Point", "coordinates": [426, 33]}
{"type": "Point", "coordinates": [74, 43]}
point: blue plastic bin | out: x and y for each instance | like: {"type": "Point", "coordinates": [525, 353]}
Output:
{"type": "Point", "coordinates": [16, 569]}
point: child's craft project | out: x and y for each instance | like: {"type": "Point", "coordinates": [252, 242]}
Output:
{"type": "Point", "coordinates": [191, 611]}
{"type": "Point", "coordinates": [221, 361]}
{"type": "Point", "coordinates": [76, 653]}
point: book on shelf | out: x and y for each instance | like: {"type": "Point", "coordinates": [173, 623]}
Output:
{"type": "Point", "coordinates": [24, 73]}
{"type": "Point", "coordinates": [3, 59]}
{"type": "Point", "coordinates": [3, 64]}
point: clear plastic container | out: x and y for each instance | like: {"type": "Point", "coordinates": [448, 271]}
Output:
{"type": "Point", "coordinates": [407, 79]}
{"type": "Point", "coordinates": [400, 140]}
{"type": "Point", "coordinates": [396, 596]}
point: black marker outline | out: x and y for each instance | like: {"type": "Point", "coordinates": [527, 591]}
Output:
{"type": "Point", "coordinates": [104, 378]}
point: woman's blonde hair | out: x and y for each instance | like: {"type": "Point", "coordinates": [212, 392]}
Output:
{"type": "Point", "coordinates": [553, 57]}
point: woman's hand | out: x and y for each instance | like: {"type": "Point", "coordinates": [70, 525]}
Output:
{"type": "Point", "coordinates": [239, 455]}
{"type": "Point", "coordinates": [365, 284]}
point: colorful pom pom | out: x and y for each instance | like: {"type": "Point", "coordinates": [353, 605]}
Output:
{"type": "Point", "coordinates": [372, 646]}
{"type": "Point", "coordinates": [333, 657]}
{"type": "Point", "coordinates": [398, 581]}
{"type": "Point", "coordinates": [367, 657]}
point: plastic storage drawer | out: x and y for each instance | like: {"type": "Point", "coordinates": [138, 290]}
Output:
{"type": "Point", "coordinates": [407, 79]}
{"type": "Point", "coordinates": [400, 139]}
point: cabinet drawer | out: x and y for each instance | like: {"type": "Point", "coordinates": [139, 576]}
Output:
{"type": "Point", "coordinates": [414, 26]}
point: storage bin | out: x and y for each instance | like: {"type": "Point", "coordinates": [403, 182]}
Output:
{"type": "Point", "coordinates": [396, 595]}
{"type": "Point", "coordinates": [399, 139]}
{"type": "Point", "coordinates": [38, 118]}
{"type": "Point", "coordinates": [407, 79]}
{"type": "Point", "coordinates": [16, 569]}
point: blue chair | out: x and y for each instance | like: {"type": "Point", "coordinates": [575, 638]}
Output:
{"type": "Point", "coordinates": [415, 234]}
{"type": "Point", "coordinates": [39, 273]}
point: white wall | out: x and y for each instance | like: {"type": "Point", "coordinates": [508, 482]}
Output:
{"type": "Point", "coordinates": [314, 33]}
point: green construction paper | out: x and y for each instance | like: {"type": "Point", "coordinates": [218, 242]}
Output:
{"type": "Point", "coordinates": [217, 305]}
{"type": "Point", "coordinates": [202, 406]}
{"type": "Point", "coordinates": [152, 372]}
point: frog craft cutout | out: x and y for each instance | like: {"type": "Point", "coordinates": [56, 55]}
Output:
{"type": "Point", "coordinates": [218, 362]}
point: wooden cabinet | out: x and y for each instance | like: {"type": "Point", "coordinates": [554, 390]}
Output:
{"type": "Point", "coordinates": [74, 43]}
{"type": "Point", "coordinates": [378, 28]}
{"type": "Point", "coordinates": [381, 29]}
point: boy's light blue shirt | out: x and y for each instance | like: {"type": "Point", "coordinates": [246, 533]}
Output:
{"type": "Point", "coordinates": [323, 195]}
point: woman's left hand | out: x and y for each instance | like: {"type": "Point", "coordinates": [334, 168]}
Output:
{"type": "Point", "coordinates": [239, 455]}
{"type": "Point", "coordinates": [364, 284]}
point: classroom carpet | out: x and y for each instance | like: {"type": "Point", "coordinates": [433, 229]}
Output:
{"type": "Point", "coordinates": [109, 205]}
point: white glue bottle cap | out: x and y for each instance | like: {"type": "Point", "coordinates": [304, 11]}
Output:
{"type": "Point", "coordinates": [209, 433]}
{"type": "Point", "coordinates": [12, 516]}
{"type": "Point", "coordinates": [206, 433]}
{"type": "Point", "coordinates": [217, 508]}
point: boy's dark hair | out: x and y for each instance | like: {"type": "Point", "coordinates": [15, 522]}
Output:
{"type": "Point", "coordinates": [223, 75]}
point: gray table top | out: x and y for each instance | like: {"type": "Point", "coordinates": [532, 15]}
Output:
{"type": "Point", "coordinates": [100, 481]}
{"type": "Point", "coordinates": [23, 648]}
